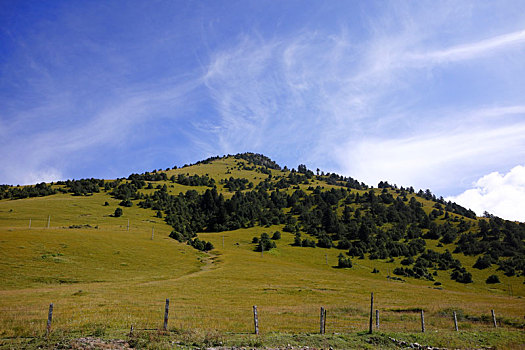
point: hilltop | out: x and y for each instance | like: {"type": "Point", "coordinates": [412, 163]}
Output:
{"type": "Point", "coordinates": [226, 233]}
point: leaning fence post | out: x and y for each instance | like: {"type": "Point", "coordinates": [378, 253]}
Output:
{"type": "Point", "coordinates": [255, 320]}
{"type": "Point", "coordinates": [494, 318]}
{"type": "Point", "coordinates": [377, 319]}
{"type": "Point", "coordinates": [49, 319]}
{"type": "Point", "coordinates": [422, 321]}
{"type": "Point", "coordinates": [371, 312]}
{"type": "Point", "coordinates": [322, 321]}
{"type": "Point", "coordinates": [455, 321]}
{"type": "Point", "coordinates": [166, 311]}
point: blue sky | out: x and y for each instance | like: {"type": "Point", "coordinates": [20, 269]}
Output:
{"type": "Point", "coordinates": [419, 93]}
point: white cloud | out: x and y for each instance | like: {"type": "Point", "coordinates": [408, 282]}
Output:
{"type": "Point", "coordinates": [43, 156]}
{"type": "Point", "coordinates": [499, 194]}
{"type": "Point", "coordinates": [46, 175]}
{"type": "Point", "coordinates": [435, 159]}
{"type": "Point", "coordinates": [472, 50]}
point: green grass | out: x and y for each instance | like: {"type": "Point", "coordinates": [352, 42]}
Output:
{"type": "Point", "coordinates": [104, 278]}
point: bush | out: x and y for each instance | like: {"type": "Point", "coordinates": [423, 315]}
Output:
{"type": "Point", "coordinates": [461, 275]}
{"type": "Point", "coordinates": [276, 235]}
{"type": "Point", "coordinates": [483, 262]}
{"type": "Point", "coordinates": [343, 262]}
{"type": "Point", "coordinates": [126, 203]}
{"type": "Point", "coordinates": [492, 279]}
{"type": "Point", "coordinates": [118, 213]}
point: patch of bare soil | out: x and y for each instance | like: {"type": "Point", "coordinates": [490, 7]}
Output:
{"type": "Point", "coordinates": [89, 343]}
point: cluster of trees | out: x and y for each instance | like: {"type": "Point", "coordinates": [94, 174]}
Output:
{"type": "Point", "coordinates": [84, 187]}
{"type": "Point", "coordinates": [500, 242]}
{"type": "Point", "coordinates": [299, 242]}
{"type": "Point", "coordinates": [258, 159]}
{"type": "Point", "coordinates": [20, 192]}
{"type": "Point", "coordinates": [128, 190]}
{"type": "Point", "coordinates": [236, 184]}
{"type": "Point", "coordinates": [282, 182]}
{"type": "Point", "coordinates": [436, 261]}
{"type": "Point", "coordinates": [192, 240]}
{"type": "Point", "coordinates": [449, 206]}
{"type": "Point", "coordinates": [193, 180]}
{"type": "Point", "coordinates": [155, 176]}
{"type": "Point", "coordinates": [191, 212]}
{"type": "Point", "coordinates": [264, 243]}
{"type": "Point", "coordinates": [343, 262]}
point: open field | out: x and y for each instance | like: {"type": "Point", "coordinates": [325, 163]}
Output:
{"type": "Point", "coordinates": [103, 278]}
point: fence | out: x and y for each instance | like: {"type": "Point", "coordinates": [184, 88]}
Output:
{"type": "Point", "coordinates": [263, 319]}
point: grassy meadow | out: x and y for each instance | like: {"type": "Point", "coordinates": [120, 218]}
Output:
{"type": "Point", "coordinates": [103, 278]}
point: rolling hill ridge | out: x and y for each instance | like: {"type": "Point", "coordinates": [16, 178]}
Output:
{"type": "Point", "coordinates": [236, 231]}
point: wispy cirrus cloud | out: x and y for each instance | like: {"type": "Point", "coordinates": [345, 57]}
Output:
{"type": "Point", "coordinates": [39, 157]}
{"type": "Point", "coordinates": [441, 154]}
{"type": "Point", "coordinates": [358, 101]}
{"type": "Point", "coordinates": [471, 50]}
{"type": "Point", "coordinates": [335, 88]}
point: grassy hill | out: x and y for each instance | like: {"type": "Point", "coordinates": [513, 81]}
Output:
{"type": "Point", "coordinates": [104, 277]}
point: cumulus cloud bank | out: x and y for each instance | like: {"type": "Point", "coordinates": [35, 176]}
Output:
{"type": "Point", "coordinates": [499, 194]}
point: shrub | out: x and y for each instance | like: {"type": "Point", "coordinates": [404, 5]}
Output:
{"type": "Point", "coordinates": [118, 213]}
{"type": "Point", "coordinates": [343, 262]}
{"type": "Point", "coordinates": [483, 262]}
{"type": "Point", "coordinates": [492, 279]}
{"type": "Point", "coordinates": [461, 275]}
{"type": "Point", "coordinates": [126, 203]}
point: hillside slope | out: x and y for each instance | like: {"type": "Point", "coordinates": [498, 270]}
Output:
{"type": "Point", "coordinates": [196, 234]}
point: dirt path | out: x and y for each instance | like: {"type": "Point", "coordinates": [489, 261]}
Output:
{"type": "Point", "coordinates": [210, 262]}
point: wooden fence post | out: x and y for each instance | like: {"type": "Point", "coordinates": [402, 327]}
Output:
{"type": "Point", "coordinates": [494, 318]}
{"type": "Point", "coordinates": [131, 331]}
{"type": "Point", "coordinates": [377, 319]}
{"type": "Point", "coordinates": [255, 320]}
{"type": "Point", "coordinates": [166, 311]}
{"type": "Point", "coordinates": [49, 319]}
{"type": "Point", "coordinates": [29, 223]}
{"type": "Point", "coordinates": [152, 232]}
{"type": "Point", "coordinates": [455, 321]}
{"type": "Point", "coordinates": [128, 224]}
{"type": "Point", "coordinates": [422, 321]}
{"type": "Point", "coordinates": [322, 321]}
{"type": "Point", "coordinates": [48, 221]}
{"type": "Point", "coordinates": [371, 312]}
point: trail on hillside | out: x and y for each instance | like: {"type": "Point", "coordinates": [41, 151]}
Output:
{"type": "Point", "coordinates": [210, 262]}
